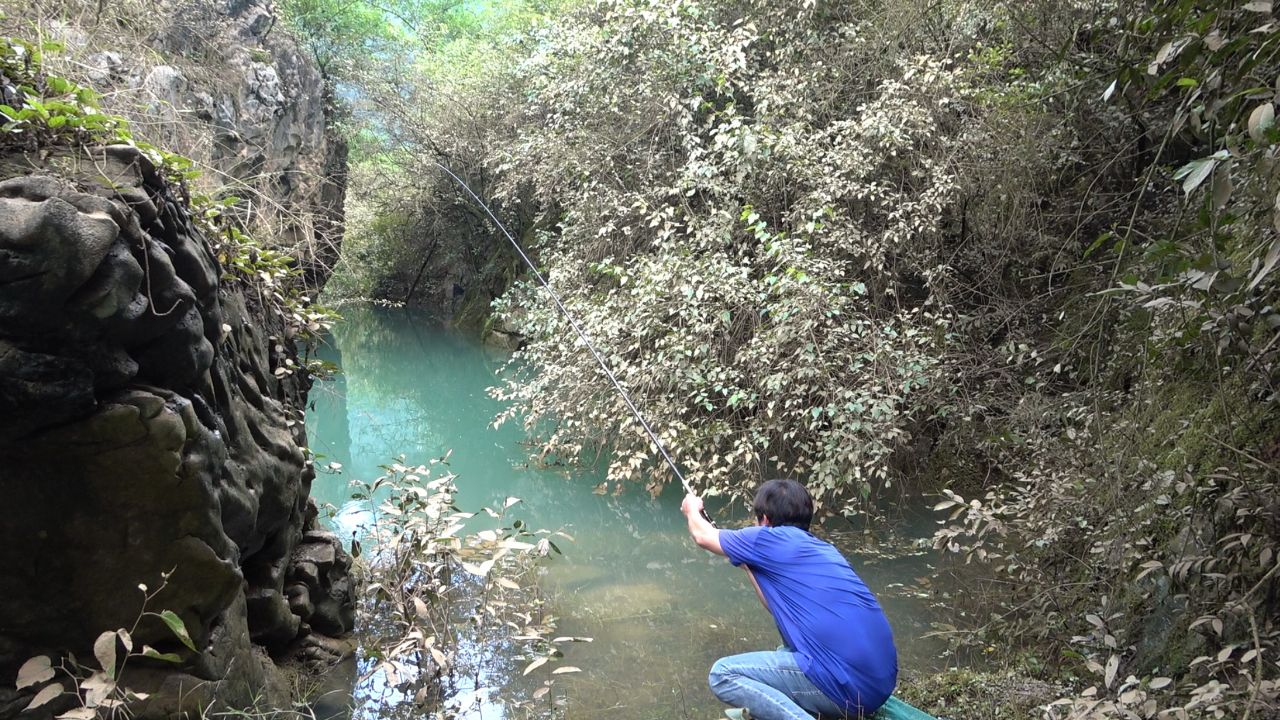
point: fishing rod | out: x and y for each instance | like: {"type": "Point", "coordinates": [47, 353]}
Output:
{"type": "Point", "coordinates": [653, 436]}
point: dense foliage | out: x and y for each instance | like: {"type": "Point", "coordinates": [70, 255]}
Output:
{"type": "Point", "coordinates": [413, 236]}
{"type": "Point", "coordinates": [745, 267]}
{"type": "Point", "coordinates": [1019, 253]}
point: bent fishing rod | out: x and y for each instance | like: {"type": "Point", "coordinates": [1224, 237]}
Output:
{"type": "Point", "coordinates": [626, 398]}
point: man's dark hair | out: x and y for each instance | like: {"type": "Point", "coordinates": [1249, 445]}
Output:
{"type": "Point", "coordinates": [786, 502]}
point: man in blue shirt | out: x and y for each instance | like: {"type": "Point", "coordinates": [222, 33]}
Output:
{"type": "Point", "coordinates": [839, 659]}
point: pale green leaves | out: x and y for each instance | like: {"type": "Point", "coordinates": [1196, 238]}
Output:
{"type": "Point", "coordinates": [104, 649]}
{"type": "Point", "coordinates": [1111, 89]}
{"type": "Point", "coordinates": [152, 653]}
{"type": "Point", "coordinates": [1268, 264]}
{"type": "Point", "coordinates": [46, 695]}
{"type": "Point", "coordinates": [1109, 672]}
{"type": "Point", "coordinates": [480, 569]}
{"type": "Point", "coordinates": [1195, 172]}
{"type": "Point", "coordinates": [1167, 53]}
{"type": "Point", "coordinates": [177, 627]}
{"type": "Point", "coordinates": [96, 688]}
{"type": "Point", "coordinates": [1262, 119]}
{"type": "Point", "coordinates": [35, 671]}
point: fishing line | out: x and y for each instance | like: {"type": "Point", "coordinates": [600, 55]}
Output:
{"type": "Point", "coordinates": [574, 323]}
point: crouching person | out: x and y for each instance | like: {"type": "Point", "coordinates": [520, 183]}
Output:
{"type": "Point", "coordinates": [838, 659]}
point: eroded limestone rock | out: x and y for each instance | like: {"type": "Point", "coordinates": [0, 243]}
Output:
{"type": "Point", "coordinates": [144, 435]}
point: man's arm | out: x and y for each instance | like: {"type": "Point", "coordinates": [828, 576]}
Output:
{"type": "Point", "coordinates": [704, 533]}
{"type": "Point", "coordinates": [756, 585]}
{"type": "Point", "coordinates": [707, 536]}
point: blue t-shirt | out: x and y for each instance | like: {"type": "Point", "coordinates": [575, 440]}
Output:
{"type": "Point", "coordinates": [824, 612]}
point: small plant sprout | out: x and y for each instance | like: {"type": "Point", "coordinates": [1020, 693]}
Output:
{"type": "Point", "coordinates": [101, 686]}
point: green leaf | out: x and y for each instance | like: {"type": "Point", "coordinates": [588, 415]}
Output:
{"type": "Point", "coordinates": [1195, 172]}
{"type": "Point", "coordinates": [1097, 243]}
{"type": "Point", "coordinates": [44, 696]}
{"type": "Point", "coordinates": [177, 627]}
{"type": "Point", "coordinates": [104, 648]}
{"type": "Point", "coordinates": [150, 652]}
{"type": "Point", "coordinates": [1261, 119]}
{"type": "Point", "coordinates": [34, 671]}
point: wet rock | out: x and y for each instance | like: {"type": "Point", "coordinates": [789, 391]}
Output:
{"type": "Point", "coordinates": [332, 664]}
{"type": "Point", "coordinates": [299, 596]}
{"type": "Point", "coordinates": [322, 567]}
{"type": "Point", "coordinates": [319, 551]}
{"type": "Point", "coordinates": [333, 699]}
{"type": "Point", "coordinates": [503, 340]}
{"type": "Point", "coordinates": [274, 624]}
{"type": "Point", "coordinates": [307, 574]}
{"type": "Point", "coordinates": [144, 438]}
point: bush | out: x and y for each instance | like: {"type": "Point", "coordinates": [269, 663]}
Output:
{"type": "Point", "coordinates": [752, 241]}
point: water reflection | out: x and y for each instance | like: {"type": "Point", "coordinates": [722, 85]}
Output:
{"type": "Point", "coordinates": [661, 611]}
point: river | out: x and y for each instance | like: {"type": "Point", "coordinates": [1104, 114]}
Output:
{"type": "Point", "coordinates": [660, 610]}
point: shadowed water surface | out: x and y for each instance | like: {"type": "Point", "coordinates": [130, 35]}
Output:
{"type": "Point", "coordinates": [660, 609]}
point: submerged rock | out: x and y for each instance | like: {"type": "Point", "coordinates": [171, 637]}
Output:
{"type": "Point", "coordinates": [624, 600]}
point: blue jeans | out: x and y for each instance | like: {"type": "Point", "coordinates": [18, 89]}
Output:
{"type": "Point", "coordinates": [771, 686]}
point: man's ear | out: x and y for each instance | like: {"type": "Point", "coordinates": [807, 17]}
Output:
{"type": "Point", "coordinates": [764, 520]}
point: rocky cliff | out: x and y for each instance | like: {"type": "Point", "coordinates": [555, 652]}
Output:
{"type": "Point", "coordinates": [221, 82]}
{"type": "Point", "coordinates": [151, 431]}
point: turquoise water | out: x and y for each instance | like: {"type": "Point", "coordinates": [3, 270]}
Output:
{"type": "Point", "coordinates": [660, 610]}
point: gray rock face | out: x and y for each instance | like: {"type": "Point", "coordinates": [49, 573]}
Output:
{"type": "Point", "coordinates": [229, 87]}
{"type": "Point", "coordinates": [144, 435]}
